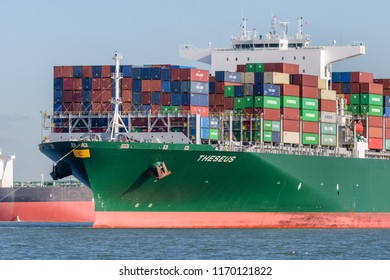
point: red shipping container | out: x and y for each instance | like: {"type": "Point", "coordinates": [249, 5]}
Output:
{"type": "Point", "coordinates": [126, 95]}
{"type": "Point", "coordinates": [146, 98]}
{"type": "Point", "coordinates": [212, 79]}
{"type": "Point", "coordinates": [127, 83]}
{"type": "Point", "coordinates": [327, 105]}
{"type": "Point", "coordinates": [257, 111]}
{"type": "Point", "coordinates": [77, 96]}
{"type": "Point", "coordinates": [289, 90]}
{"type": "Point", "coordinates": [97, 83]}
{"type": "Point", "coordinates": [166, 99]}
{"type": "Point", "coordinates": [96, 96]}
{"type": "Point", "coordinates": [248, 111]}
{"type": "Point", "coordinates": [219, 87]}
{"type": "Point", "coordinates": [155, 85]}
{"type": "Point", "coordinates": [290, 113]}
{"type": "Point", "coordinates": [354, 87]}
{"type": "Point", "coordinates": [86, 71]}
{"type": "Point", "coordinates": [375, 143]}
{"type": "Point", "coordinates": [77, 84]}
{"type": "Point", "coordinates": [185, 109]}
{"type": "Point", "coordinates": [310, 127]}
{"type": "Point", "coordinates": [106, 107]}
{"type": "Point", "coordinates": [387, 133]}
{"type": "Point", "coordinates": [96, 107]}
{"type": "Point", "coordinates": [67, 71]}
{"type": "Point", "coordinates": [193, 74]}
{"type": "Point", "coordinates": [67, 83]}
{"type": "Point", "coordinates": [288, 68]}
{"type": "Point", "coordinates": [371, 88]}
{"type": "Point", "coordinates": [305, 80]}
{"type": "Point", "coordinates": [106, 96]}
{"type": "Point", "coordinates": [229, 103]}
{"type": "Point", "coordinates": [361, 77]}
{"type": "Point", "coordinates": [219, 99]}
{"type": "Point", "coordinates": [241, 68]}
{"type": "Point", "coordinates": [77, 107]}
{"type": "Point", "coordinates": [107, 83]}
{"type": "Point", "coordinates": [217, 109]}
{"type": "Point", "coordinates": [67, 96]}
{"type": "Point", "coordinates": [67, 107]}
{"type": "Point", "coordinates": [175, 74]}
{"type": "Point", "coordinates": [309, 92]}
{"type": "Point", "coordinates": [347, 98]}
{"type": "Point", "coordinates": [155, 108]}
{"type": "Point", "coordinates": [375, 132]}
{"type": "Point", "coordinates": [211, 100]}
{"type": "Point", "coordinates": [386, 92]}
{"type": "Point", "coordinates": [203, 111]}
{"type": "Point", "coordinates": [57, 70]}
{"type": "Point", "coordinates": [271, 114]}
{"type": "Point", "coordinates": [374, 121]}
{"type": "Point", "coordinates": [291, 125]}
{"type": "Point", "coordinates": [106, 71]}
{"type": "Point", "coordinates": [337, 87]}
{"type": "Point", "coordinates": [146, 86]}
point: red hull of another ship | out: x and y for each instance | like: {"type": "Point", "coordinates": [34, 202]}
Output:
{"type": "Point", "coordinates": [51, 211]}
{"type": "Point", "coordinates": [240, 220]}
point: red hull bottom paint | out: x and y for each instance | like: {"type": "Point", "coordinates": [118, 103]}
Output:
{"type": "Point", "coordinates": [64, 211]}
{"type": "Point", "coordinates": [240, 220]}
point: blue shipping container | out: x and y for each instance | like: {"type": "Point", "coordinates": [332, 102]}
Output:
{"type": "Point", "coordinates": [137, 85]}
{"type": "Point", "coordinates": [165, 74]}
{"type": "Point", "coordinates": [175, 87]}
{"type": "Point", "coordinates": [211, 87]}
{"type": "Point", "coordinates": [271, 90]}
{"type": "Point", "coordinates": [204, 133]}
{"type": "Point", "coordinates": [145, 109]}
{"type": "Point", "coordinates": [175, 99]}
{"type": "Point", "coordinates": [185, 99]}
{"type": "Point", "coordinates": [336, 77]}
{"type": "Point", "coordinates": [345, 77]}
{"type": "Point", "coordinates": [87, 83]}
{"type": "Point", "coordinates": [345, 88]}
{"type": "Point", "coordinates": [96, 71]}
{"type": "Point", "coordinates": [126, 71]}
{"type": "Point", "coordinates": [204, 122]}
{"type": "Point", "coordinates": [136, 98]}
{"type": "Point", "coordinates": [386, 101]}
{"type": "Point", "coordinates": [86, 107]}
{"type": "Point", "coordinates": [146, 73]}
{"type": "Point", "coordinates": [276, 137]}
{"type": "Point", "coordinates": [136, 73]}
{"type": "Point", "coordinates": [259, 77]}
{"type": "Point", "coordinates": [199, 100]}
{"type": "Point", "coordinates": [166, 86]}
{"type": "Point", "coordinates": [214, 122]}
{"type": "Point", "coordinates": [57, 107]}
{"type": "Point", "coordinates": [57, 83]}
{"type": "Point", "coordinates": [387, 111]}
{"type": "Point", "coordinates": [199, 87]}
{"type": "Point", "coordinates": [57, 96]}
{"type": "Point", "coordinates": [226, 76]}
{"type": "Point", "coordinates": [77, 72]}
{"type": "Point", "coordinates": [87, 96]}
{"type": "Point", "coordinates": [156, 98]}
{"type": "Point", "coordinates": [258, 89]}
{"type": "Point", "coordinates": [185, 86]}
{"type": "Point", "coordinates": [156, 73]}
{"type": "Point", "coordinates": [238, 91]}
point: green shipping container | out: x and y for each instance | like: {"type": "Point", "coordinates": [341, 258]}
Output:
{"type": "Point", "coordinates": [309, 104]}
{"type": "Point", "coordinates": [291, 102]}
{"type": "Point", "coordinates": [371, 99]}
{"type": "Point", "coordinates": [276, 126]}
{"type": "Point", "coordinates": [258, 103]}
{"type": "Point", "coordinates": [354, 109]}
{"type": "Point", "coordinates": [248, 102]}
{"type": "Point", "coordinates": [238, 103]}
{"type": "Point", "coordinates": [228, 91]}
{"type": "Point", "coordinates": [259, 67]}
{"type": "Point", "coordinates": [267, 125]}
{"type": "Point", "coordinates": [256, 125]}
{"type": "Point", "coordinates": [256, 136]}
{"type": "Point", "coordinates": [267, 136]}
{"type": "Point", "coordinates": [250, 67]}
{"type": "Point", "coordinates": [309, 139]}
{"type": "Point", "coordinates": [387, 144]}
{"type": "Point", "coordinates": [309, 115]}
{"type": "Point", "coordinates": [355, 99]}
{"type": "Point", "coordinates": [372, 110]}
{"type": "Point", "coordinates": [271, 102]}
{"type": "Point", "coordinates": [328, 128]}
{"type": "Point", "coordinates": [328, 140]}
{"type": "Point", "coordinates": [214, 135]}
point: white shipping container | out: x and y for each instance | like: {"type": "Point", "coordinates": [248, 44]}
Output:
{"type": "Point", "coordinates": [327, 94]}
{"type": "Point", "coordinates": [328, 117]}
{"type": "Point", "coordinates": [291, 137]}
{"type": "Point", "coordinates": [276, 78]}
{"type": "Point", "coordinates": [249, 78]}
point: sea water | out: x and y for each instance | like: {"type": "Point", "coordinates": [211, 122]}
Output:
{"type": "Point", "coordinates": [45, 241]}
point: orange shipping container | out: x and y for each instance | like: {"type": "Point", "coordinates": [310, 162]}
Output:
{"type": "Point", "coordinates": [193, 74]}
{"type": "Point", "coordinates": [375, 132]}
{"type": "Point", "coordinates": [328, 105]}
{"type": "Point", "coordinates": [309, 92]}
{"type": "Point", "coordinates": [57, 71]}
{"type": "Point", "coordinates": [126, 95]}
{"type": "Point", "coordinates": [375, 143]}
{"type": "Point", "coordinates": [361, 77]}
{"type": "Point", "coordinates": [371, 88]}
{"type": "Point", "coordinates": [106, 71]}
{"type": "Point", "coordinates": [289, 90]}
{"type": "Point", "coordinates": [374, 121]}
{"type": "Point", "coordinates": [203, 111]}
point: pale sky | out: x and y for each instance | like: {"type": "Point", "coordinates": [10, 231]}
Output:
{"type": "Point", "coordinates": [37, 35]}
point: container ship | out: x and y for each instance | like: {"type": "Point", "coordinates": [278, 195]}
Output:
{"type": "Point", "coordinates": [43, 201]}
{"type": "Point", "coordinates": [269, 138]}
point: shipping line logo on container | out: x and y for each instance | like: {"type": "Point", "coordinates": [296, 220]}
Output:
{"type": "Point", "coordinates": [216, 158]}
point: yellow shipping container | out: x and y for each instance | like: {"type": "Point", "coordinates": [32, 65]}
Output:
{"type": "Point", "coordinates": [327, 94]}
{"type": "Point", "coordinates": [322, 83]}
{"type": "Point", "coordinates": [291, 137]}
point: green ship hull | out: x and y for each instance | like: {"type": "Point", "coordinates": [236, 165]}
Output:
{"type": "Point", "coordinates": [204, 187]}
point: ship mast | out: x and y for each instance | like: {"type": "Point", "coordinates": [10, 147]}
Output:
{"type": "Point", "coordinates": [117, 121]}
